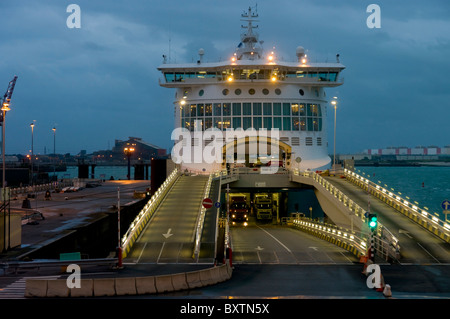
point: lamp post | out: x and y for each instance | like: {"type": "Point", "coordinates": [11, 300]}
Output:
{"type": "Point", "coordinates": [128, 152]}
{"type": "Point", "coordinates": [54, 151]}
{"type": "Point", "coordinates": [32, 153]}
{"type": "Point", "coordinates": [334, 102]}
{"type": "Point", "coordinates": [5, 108]}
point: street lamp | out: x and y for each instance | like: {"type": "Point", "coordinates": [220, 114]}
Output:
{"type": "Point", "coordinates": [334, 102]}
{"type": "Point", "coordinates": [32, 153]}
{"type": "Point", "coordinates": [128, 152]}
{"type": "Point", "coordinates": [54, 151]}
{"type": "Point", "coordinates": [5, 108]}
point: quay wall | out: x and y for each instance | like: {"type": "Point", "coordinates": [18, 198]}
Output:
{"type": "Point", "coordinates": [97, 238]}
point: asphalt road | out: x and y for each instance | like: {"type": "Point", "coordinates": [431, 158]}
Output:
{"type": "Point", "coordinates": [169, 235]}
{"type": "Point", "coordinates": [270, 244]}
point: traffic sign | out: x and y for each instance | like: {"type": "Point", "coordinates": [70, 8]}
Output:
{"type": "Point", "coordinates": [207, 203]}
{"type": "Point", "coordinates": [217, 204]}
{"type": "Point", "coordinates": [445, 205]}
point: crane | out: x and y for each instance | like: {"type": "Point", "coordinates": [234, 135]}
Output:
{"type": "Point", "coordinates": [7, 97]}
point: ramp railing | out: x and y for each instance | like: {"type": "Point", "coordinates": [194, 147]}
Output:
{"type": "Point", "coordinates": [201, 218]}
{"type": "Point", "coordinates": [146, 213]}
{"type": "Point", "coordinates": [419, 215]}
{"type": "Point", "coordinates": [382, 233]}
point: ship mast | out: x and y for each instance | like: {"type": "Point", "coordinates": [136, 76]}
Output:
{"type": "Point", "coordinates": [249, 48]}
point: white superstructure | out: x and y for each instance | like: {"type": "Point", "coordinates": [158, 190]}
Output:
{"type": "Point", "coordinates": [254, 90]}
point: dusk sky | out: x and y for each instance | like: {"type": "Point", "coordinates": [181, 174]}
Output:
{"type": "Point", "coordinates": [99, 82]}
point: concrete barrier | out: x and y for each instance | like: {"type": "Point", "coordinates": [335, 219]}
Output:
{"type": "Point", "coordinates": [57, 288]}
{"type": "Point", "coordinates": [164, 283]}
{"type": "Point", "coordinates": [36, 288]}
{"type": "Point", "coordinates": [206, 277]}
{"type": "Point", "coordinates": [125, 286]}
{"type": "Point", "coordinates": [121, 286]}
{"type": "Point", "coordinates": [104, 287]}
{"type": "Point", "coordinates": [145, 285]}
{"type": "Point", "coordinates": [86, 289]}
{"type": "Point", "coordinates": [179, 282]}
{"type": "Point", "coordinates": [193, 279]}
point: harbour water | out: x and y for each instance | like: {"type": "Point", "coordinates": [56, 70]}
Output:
{"type": "Point", "coordinates": [100, 172]}
{"type": "Point", "coordinates": [426, 186]}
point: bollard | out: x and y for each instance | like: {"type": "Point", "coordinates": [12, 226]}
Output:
{"type": "Point", "coordinates": [387, 291]}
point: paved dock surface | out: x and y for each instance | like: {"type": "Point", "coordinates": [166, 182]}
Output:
{"type": "Point", "coordinates": [66, 211]}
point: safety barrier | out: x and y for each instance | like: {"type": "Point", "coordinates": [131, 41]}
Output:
{"type": "Point", "coordinates": [382, 234]}
{"type": "Point", "coordinates": [345, 238]}
{"type": "Point", "coordinates": [421, 216]}
{"type": "Point", "coordinates": [121, 286]}
{"type": "Point", "coordinates": [201, 218]}
{"type": "Point", "coordinates": [146, 213]}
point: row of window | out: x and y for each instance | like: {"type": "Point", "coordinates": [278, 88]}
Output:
{"type": "Point", "coordinates": [254, 74]}
{"type": "Point", "coordinates": [295, 141]}
{"type": "Point", "coordinates": [256, 108]}
{"type": "Point", "coordinates": [256, 122]}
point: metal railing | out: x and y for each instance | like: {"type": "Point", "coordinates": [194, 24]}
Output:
{"type": "Point", "coordinates": [146, 212]}
{"type": "Point", "coordinates": [201, 218]}
{"type": "Point", "coordinates": [358, 244]}
{"type": "Point", "coordinates": [382, 233]}
{"type": "Point", "coordinates": [419, 215]}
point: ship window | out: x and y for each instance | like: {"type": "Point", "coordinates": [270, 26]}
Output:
{"type": "Point", "coordinates": [217, 109]}
{"type": "Point", "coordinates": [247, 109]}
{"type": "Point", "coordinates": [193, 108]}
{"type": "Point", "coordinates": [200, 109]}
{"type": "Point", "coordinates": [237, 123]}
{"type": "Point", "coordinates": [286, 109]}
{"type": "Point", "coordinates": [277, 123]}
{"type": "Point", "coordinates": [295, 124]}
{"type": "Point", "coordinates": [208, 123]}
{"type": "Point", "coordinates": [251, 91]}
{"type": "Point", "coordinates": [301, 92]}
{"type": "Point", "coordinates": [226, 109]}
{"type": "Point", "coordinates": [294, 107]}
{"type": "Point", "coordinates": [277, 91]}
{"type": "Point", "coordinates": [267, 108]}
{"type": "Point", "coordinates": [286, 123]}
{"type": "Point", "coordinates": [169, 77]}
{"type": "Point", "coordinates": [226, 123]}
{"type": "Point", "coordinates": [333, 76]}
{"type": "Point", "coordinates": [218, 122]}
{"type": "Point", "coordinates": [302, 109]}
{"type": "Point", "coordinates": [267, 123]}
{"type": "Point", "coordinates": [257, 122]}
{"type": "Point", "coordinates": [237, 91]}
{"type": "Point", "coordinates": [302, 124]}
{"type": "Point", "coordinates": [225, 91]}
{"type": "Point", "coordinates": [265, 91]}
{"type": "Point", "coordinates": [257, 109]}
{"type": "Point", "coordinates": [276, 108]}
{"type": "Point", "coordinates": [237, 109]}
{"type": "Point", "coordinates": [247, 122]}
{"type": "Point", "coordinates": [208, 109]}
{"type": "Point", "coordinates": [201, 92]}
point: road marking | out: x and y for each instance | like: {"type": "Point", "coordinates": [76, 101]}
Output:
{"type": "Point", "coordinates": [401, 231]}
{"type": "Point", "coordinates": [16, 290]}
{"type": "Point", "coordinates": [160, 253]}
{"type": "Point", "coordinates": [259, 248]}
{"type": "Point", "coordinates": [275, 239]}
{"type": "Point", "coordinates": [428, 253]}
{"type": "Point", "coordinates": [168, 234]}
{"type": "Point", "coordinates": [142, 251]}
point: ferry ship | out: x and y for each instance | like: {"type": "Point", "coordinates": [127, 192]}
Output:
{"type": "Point", "coordinates": [252, 91]}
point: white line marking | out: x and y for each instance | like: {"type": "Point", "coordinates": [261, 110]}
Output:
{"type": "Point", "coordinates": [275, 239]}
